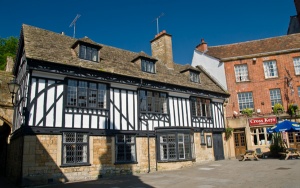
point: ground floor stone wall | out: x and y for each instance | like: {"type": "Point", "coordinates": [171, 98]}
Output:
{"type": "Point", "coordinates": [14, 160]}
{"type": "Point", "coordinates": [42, 159]}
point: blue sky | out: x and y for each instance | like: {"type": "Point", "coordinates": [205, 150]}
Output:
{"type": "Point", "coordinates": [131, 24]}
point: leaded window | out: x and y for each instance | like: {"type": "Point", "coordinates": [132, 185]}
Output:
{"type": "Point", "coordinates": [297, 65]}
{"type": "Point", "coordinates": [200, 107]}
{"type": "Point", "coordinates": [270, 69]}
{"type": "Point", "coordinates": [275, 96]}
{"type": "Point", "coordinates": [194, 77]}
{"type": "Point", "coordinates": [175, 146]}
{"type": "Point", "coordinates": [75, 148]}
{"type": "Point", "coordinates": [241, 73]}
{"type": "Point", "coordinates": [125, 149]}
{"type": "Point", "coordinates": [153, 101]}
{"type": "Point", "coordinates": [245, 100]}
{"type": "Point", "coordinates": [148, 66]}
{"type": "Point", "coordinates": [88, 53]}
{"type": "Point", "coordinates": [86, 94]}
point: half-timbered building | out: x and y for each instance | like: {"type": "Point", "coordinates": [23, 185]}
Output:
{"type": "Point", "coordinates": [85, 110]}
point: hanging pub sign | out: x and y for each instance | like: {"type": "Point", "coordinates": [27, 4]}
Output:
{"type": "Point", "coordinates": [262, 121]}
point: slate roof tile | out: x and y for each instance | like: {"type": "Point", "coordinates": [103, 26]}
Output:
{"type": "Point", "coordinates": [53, 47]}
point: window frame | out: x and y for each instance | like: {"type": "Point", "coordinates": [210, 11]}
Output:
{"type": "Point", "coordinates": [148, 66]}
{"type": "Point", "coordinates": [124, 144]}
{"type": "Point", "coordinates": [178, 146]}
{"type": "Point", "coordinates": [201, 107]}
{"type": "Point", "coordinates": [87, 52]}
{"type": "Point", "coordinates": [257, 133]}
{"type": "Point", "coordinates": [296, 61]}
{"type": "Point", "coordinates": [275, 96]}
{"type": "Point", "coordinates": [75, 145]}
{"type": "Point", "coordinates": [270, 67]}
{"type": "Point", "coordinates": [194, 77]}
{"type": "Point", "coordinates": [241, 73]}
{"type": "Point", "coordinates": [153, 102]}
{"type": "Point", "coordinates": [249, 102]}
{"type": "Point", "coordinates": [81, 94]}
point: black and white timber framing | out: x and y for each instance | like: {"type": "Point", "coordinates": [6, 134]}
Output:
{"type": "Point", "coordinates": [43, 100]}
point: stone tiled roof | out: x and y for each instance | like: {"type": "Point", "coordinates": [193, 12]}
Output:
{"type": "Point", "coordinates": [256, 47]}
{"type": "Point", "coordinates": [53, 47]}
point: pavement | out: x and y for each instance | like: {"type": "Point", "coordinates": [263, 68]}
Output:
{"type": "Point", "coordinates": [232, 173]}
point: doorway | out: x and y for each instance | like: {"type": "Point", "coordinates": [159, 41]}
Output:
{"type": "Point", "coordinates": [239, 142]}
{"type": "Point", "coordinates": [294, 140]}
{"type": "Point", "coordinates": [218, 146]}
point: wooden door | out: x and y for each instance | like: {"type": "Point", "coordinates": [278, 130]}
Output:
{"type": "Point", "coordinates": [294, 140]}
{"type": "Point", "coordinates": [239, 142]}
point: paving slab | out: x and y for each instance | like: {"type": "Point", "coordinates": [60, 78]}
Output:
{"type": "Point", "coordinates": [232, 173]}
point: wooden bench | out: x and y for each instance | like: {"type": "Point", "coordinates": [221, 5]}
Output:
{"type": "Point", "coordinates": [249, 154]}
{"type": "Point", "coordinates": [290, 153]}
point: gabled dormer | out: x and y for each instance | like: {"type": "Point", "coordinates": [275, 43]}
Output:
{"type": "Point", "coordinates": [146, 62]}
{"type": "Point", "coordinates": [87, 49]}
{"type": "Point", "coordinates": [192, 73]}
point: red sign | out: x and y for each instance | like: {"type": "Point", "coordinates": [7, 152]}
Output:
{"type": "Point", "coordinates": [262, 121]}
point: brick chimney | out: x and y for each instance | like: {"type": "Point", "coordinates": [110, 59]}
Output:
{"type": "Point", "coordinates": [161, 47]}
{"type": "Point", "coordinates": [202, 47]}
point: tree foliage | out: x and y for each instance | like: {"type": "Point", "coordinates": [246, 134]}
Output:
{"type": "Point", "coordinates": [8, 47]}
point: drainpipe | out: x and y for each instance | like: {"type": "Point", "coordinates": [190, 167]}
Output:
{"type": "Point", "coordinates": [148, 147]}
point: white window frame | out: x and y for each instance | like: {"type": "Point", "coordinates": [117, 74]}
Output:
{"type": "Point", "coordinates": [275, 96]}
{"type": "Point", "coordinates": [245, 100]}
{"type": "Point", "coordinates": [296, 61]}
{"type": "Point", "coordinates": [261, 135]}
{"type": "Point", "coordinates": [270, 69]}
{"type": "Point", "coordinates": [241, 73]}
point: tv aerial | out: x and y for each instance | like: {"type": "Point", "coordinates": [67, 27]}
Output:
{"type": "Point", "coordinates": [156, 19]}
{"type": "Point", "coordinates": [74, 23]}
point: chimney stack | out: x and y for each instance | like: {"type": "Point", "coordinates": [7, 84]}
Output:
{"type": "Point", "coordinates": [161, 47]}
{"type": "Point", "coordinates": [202, 47]}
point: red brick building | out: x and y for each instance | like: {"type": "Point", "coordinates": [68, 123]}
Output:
{"type": "Point", "coordinates": [259, 74]}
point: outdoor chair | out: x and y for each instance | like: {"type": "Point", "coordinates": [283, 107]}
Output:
{"type": "Point", "coordinates": [259, 153]}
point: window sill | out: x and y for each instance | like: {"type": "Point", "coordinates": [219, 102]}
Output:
{"type": "Point", "coordinates": [74, 165]}
{"type": "Point", "coordinates": [130, 162]}
{"type": "Point", "coordinates": [171, 161]}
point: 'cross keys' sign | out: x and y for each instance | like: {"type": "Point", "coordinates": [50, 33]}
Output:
{"type": "Point", "coordinates": [262, 121]}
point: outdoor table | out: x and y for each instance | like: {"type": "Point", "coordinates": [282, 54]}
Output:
{"type": "Point", "coordinates": [291, 152]}
{"type": "Point", "coordinates": [249, 154]}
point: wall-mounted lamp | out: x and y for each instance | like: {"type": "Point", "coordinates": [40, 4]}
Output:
{"type": "Point", "coordinates": [13, 87]}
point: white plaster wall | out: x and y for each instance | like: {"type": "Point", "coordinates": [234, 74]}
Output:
{"type": "Point", "coordinates": [211, 65]}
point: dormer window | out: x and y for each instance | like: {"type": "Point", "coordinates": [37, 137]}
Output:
{"type": "Point", "coordinates": [194, 77]}
{"type": "Point", "coordinates": [88, 53]}
{"type": "Point", "coordinates": [148, 66]}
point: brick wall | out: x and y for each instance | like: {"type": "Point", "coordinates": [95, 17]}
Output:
{"type": "Point", "coordinates": [259, 85]}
